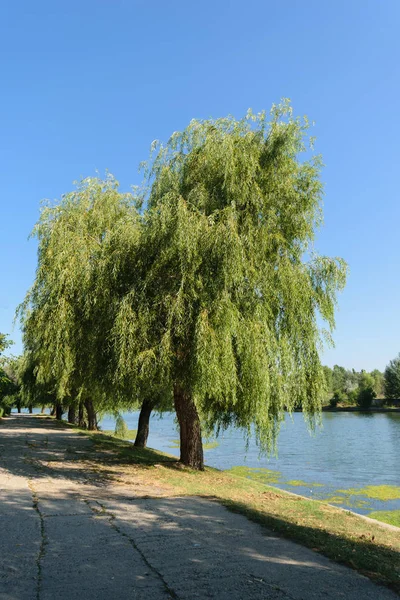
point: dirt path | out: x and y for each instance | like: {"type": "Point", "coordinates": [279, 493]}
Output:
{"type": "Point", "coordinates": [66, 533]}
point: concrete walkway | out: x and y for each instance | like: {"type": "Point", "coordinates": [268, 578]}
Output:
{"type": "Point", "coordinates": [65, 534]}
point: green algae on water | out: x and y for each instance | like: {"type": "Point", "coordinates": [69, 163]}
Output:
{"type": "Point", "coordinates": [299, 482]}
{"type": "Point", "coordinates": [210, 445]}
{"type": "Point", "coordinates": [257, 474]}
{"type": "Point", "coordinates": [335, 500]}
{"type": "Point", "coordinates": [386, 516]}
{"type": "Point", "coordinates": [207, 445]}
{"type": "Point", "coordinates": [175, 444]}
{"type": "Point", "coordinates": [348, 501]}
{"type": "Point", "coordinates": [375, 492]}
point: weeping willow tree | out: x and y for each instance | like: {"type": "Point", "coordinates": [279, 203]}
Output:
{"type": "Point", "coordinates": [34, 393]}
{"type": "Point", "coordinates": [85, 244]}
{"type": "Point", "coordinates": [9, 384]}
{"type": "Point", "coordinates": [227, 309]}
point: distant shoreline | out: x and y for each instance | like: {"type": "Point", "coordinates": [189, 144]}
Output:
{"type": "Point", "coordinates": [374, 409]}
{"type": "Point", "coordinates": [358, 409]}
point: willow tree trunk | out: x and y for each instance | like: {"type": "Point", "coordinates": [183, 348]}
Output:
{"type": "Point", "coordinates": [72, 415]}
{"type": "Point", "coordinates": [30, 408]}
{"type": "Point", "coordinates": [42, 410]}
{"type": "Point", "coordinates": [191, 445]}
{"type": "Point", "coordinates": [81, 416]}
{"type": "Point", "coordinates": [59, 411]}
{"type": "Point", "coordinates": [91, 415]}
{"type": "Point", "coordinates": [143, 423]}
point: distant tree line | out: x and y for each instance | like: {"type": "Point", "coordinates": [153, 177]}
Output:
{"type": "Point", "coordinates": [350, 387]}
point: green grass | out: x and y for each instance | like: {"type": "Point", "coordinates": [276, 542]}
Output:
{"type": "Point", "coordinates": [130, 434]}
{"type": "Point", "coordinates": [387, 516]}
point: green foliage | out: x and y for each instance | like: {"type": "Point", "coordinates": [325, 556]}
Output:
{"type": "Point", "coordinates": [352, 397]}
{"type": "Point", "coordinates": [33, 393]}
{"type": "Point", "coordinates": [121, 428]}
{"type": "Point", "coordinates": [207, 290]}
{"type": "Point", "coordinates": [365, 397]}
{"type": "Point", "coordinates": [366, 393]}
{"type": "Point", "coordinates": [339, 376]}
{"type": "Point", "coordinates": [226, 305]}
{"type": "Point", "coordinates": [392, 379]}
{"type": "Point", "coordinates": [339, 397]}
{"type": "Point", "coordinates": [328, 378]}
{"type": "Point", "coordinates": [366, 381]}
{"type": "Point", "coordinates": [9, 378]}
{"type": "Point", "coordinates": [378, 382]}
{"type": "Point", "coordinates": [353, 387]}
{"type": "Point", "coordinates": [343, 379]}
{"type": "Point", "coordinates": [4, 342]}
{"type": "Point", "coordinates": [85, 245]}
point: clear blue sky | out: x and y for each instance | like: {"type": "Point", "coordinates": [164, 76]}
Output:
{"type": "Point", "coordinates": [88, 85]}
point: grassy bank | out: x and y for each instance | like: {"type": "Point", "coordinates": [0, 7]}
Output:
{"type": "Point", "coordinates": [365, 545]}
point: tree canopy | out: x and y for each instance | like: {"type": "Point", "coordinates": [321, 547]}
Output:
{"type": "Point", "coordinates": [392, 379]}
{"type": "Point", "coordinates": [8, 379]}
{"type": "Point", "coordinates": [85, 242]}
{"type": "Point", "coordinates": [227, 307]}
{"type": "Point", "coordinates": [203, 288]}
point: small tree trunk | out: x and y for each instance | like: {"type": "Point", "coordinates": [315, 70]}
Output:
{"type": "Point", "coordinates": [143, 423]}
{"type": "Point", "coordinates": [42, 410]}
{"type": "Point", "coordinates": [19, 407]}
{"type": "Point", "coordinates": [81, 416]}
{"type": "Point", "coordinates": [91, 415]}
{"type": "Point", "coordinates": [53, 411]}
{"type": "Point", "coordinates": [59, 411]}
{"type": "Point", "coordinates": [72, 414]}
{"type": "Point", "coordinates": [30, 408]}
{"type": "Point", "coordinates": [191, 444]}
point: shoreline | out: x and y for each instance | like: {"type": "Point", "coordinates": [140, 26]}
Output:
{"type": "Point", "coordinates": [374, 409]}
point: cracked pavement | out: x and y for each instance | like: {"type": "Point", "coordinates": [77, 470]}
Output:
{"type": "Point", "coordinates": [66, 534]}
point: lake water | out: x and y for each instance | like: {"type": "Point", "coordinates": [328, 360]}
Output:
{"type": "Point", "coordinates": [348, 453]}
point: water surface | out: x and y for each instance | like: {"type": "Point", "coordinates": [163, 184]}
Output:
{"type": "Point", "coordinates": [350, 452]}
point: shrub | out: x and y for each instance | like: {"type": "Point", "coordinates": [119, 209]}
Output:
{"type": "Point", "coordinates": [338, 397]}
{"type": "Point", "coordinates": [121, 428]}
{"type": "Point", "coordinates": [365, 397]}
{"type": "Point", "coordinates": [352, 397]}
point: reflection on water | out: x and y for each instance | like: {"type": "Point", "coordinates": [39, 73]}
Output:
{"type": "Point", "coordinates": [350, 451]}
